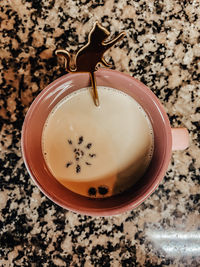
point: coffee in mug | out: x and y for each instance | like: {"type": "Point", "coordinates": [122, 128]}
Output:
{"type": "Point", "coordinates": [98, 151]}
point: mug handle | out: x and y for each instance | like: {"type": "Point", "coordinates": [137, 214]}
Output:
{"type": "Point", "coordinates": [180, 138]}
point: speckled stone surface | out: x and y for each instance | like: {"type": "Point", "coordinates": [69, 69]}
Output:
{"type": "Point", "coordinates": [162, 49]}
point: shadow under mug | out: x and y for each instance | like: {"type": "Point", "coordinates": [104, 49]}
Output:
{"type": "Point", "coordinates": [164, 137]}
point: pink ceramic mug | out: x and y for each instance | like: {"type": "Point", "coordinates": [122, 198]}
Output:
{"type": "Point", "coordinates": [165, 139]}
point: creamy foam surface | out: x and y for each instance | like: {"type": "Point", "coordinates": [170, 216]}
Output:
{"type": "Point", "coordinates": [97, 151]}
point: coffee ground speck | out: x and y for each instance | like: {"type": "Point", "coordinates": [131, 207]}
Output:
{"type": "Point", "coordinates": [68, 164]}
{"type": "Point", "coordinates": [89, 145]}
{"type": "Point", "coordinates": [80, 140]}
{"type": "Point", "coordinates": [92, 191]}
{"type": "Point", "coordinates": [92, 155]}
{"type": "Point", "coordinates": [69, 141]}
{"type": "Point", "coordinates": [78, 168]}
{"type": "Point", "coordinates": [103, 190]}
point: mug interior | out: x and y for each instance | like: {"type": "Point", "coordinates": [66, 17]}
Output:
{"type": "Point", "coordinates": [38, 170]}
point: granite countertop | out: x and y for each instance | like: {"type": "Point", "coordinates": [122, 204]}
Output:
{"type": "Point", "coordinates": [162, 49]}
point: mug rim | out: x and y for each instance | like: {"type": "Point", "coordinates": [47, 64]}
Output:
{"type": "Point", "coordinates": [108, 211]}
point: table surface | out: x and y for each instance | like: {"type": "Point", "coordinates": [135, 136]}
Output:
{"type": "Point", "coordinates": [162, 50]}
